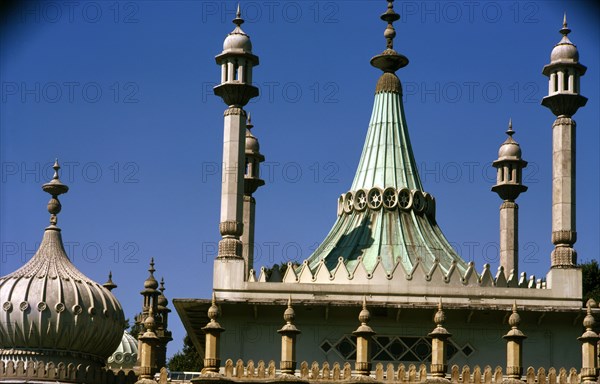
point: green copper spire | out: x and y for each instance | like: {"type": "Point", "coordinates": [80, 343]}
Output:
{"type": "Point", "coordinates": [386, 216]}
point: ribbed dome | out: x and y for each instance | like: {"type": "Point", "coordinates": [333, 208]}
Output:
{"type": "Point", "coordinates": [125, 356]}
{"type": "Point", "coordinates": [53, 312]}
{"type": "Point", "coordinates": [48, 304]}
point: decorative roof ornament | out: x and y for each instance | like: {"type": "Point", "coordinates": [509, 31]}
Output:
{"type": "Point", "coordinates": [91, 318]}
{"type": "Point", "coordinates": [151, 284]}
{"type": "Point", "coordinates": [109, 284]}
{"type": "Point", "coordinates": [238, 40]}
{"type": "Point", "coordinates": [389, 61]}
{"type": "Point", "coordinates": [55, 188]}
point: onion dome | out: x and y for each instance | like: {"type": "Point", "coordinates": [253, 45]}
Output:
{"type": "Point", "coordinates": [126, 354]}
{"type": "Point", "coordinates": [51, 312]}
{"type": "Point", "coordinates": [252, 144]}
{"type": "Point", "coordinates": [510, 148]}
{"type": "Point", "coordinates": [565, 50]}
{"type": "Point", "coordinates": [150, 285]}
{"type": "Point", "coordinates": [237, 40]}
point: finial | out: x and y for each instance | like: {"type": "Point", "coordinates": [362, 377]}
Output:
{"type": "Point", "coordinates": [510, 131]}
{"type": "Point", "coordinates": [440, 316]}
{"type": "Point", "coordinates": [213, 311]}
{"type": "Point", "coordinates": [589, 322]}
{"type": "Point", "coordinates": [289, 315]}
{"type": "Point", "coordinates": [364, 316]}
{"type": "Point", "coordinates": [162, 285]}
{"type": "Point", "coordinates": [151, 269]}
{"type": "Point", "coordinates": [109, 284]}
{"type": "Point", "coordinates": [238, 17]}
{"type": "Point", "coordinates": [55, 188]}
{"type": "Point", "coordinates": [389, 61]}
{"type": "Point", "coordinates": [565, 30]}
{"type": "Point", "coordinates": [514, 320]}
{"type": "Point", "coordinates": [249, 124]}
{"type": "Point", "coordinates": [390, 16]}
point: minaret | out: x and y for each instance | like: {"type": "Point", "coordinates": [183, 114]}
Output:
{"type": "Point", "coordinates": [564, 100]}
{"type": "Point", "coordinates": [236, 90]}
{"type": "Point", "coordinates": [252, 181]}
{"type": "Point", "coordinates": [509, 186]}
{"type": "Point", "coordinates": [162, 330]}
{"type": "Point", "coordinates": [149, 309]}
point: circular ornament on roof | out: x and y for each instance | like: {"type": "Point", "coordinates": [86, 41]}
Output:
{"type": "Point", "coordinates": [42, 306]}
{"type": "Point", "coordinates": [77, 310]}
{"type": "Point", "coordinates": [390, 198]}
{"type": "Point", "coordinates": [118, 356]}
{"type": "Point", "coordinates": [405, 199]}
{"type": "Point", "coordinates": [375, 198]}
{"type": "Point", "coordinates": [430, 204]}
{"type": "Point", "coordinates": [360, 200]}
{"type": "Point", "coordinates": [24, 306]}
{"type": "Point", "coordinates": [419, 202]}
{"type": "Point", "coordinates": [92, 311]}
{"type": "Point", "coordinates": [59, 307]}
{"type": "Point", "coordinates": [7, 306]}
{"type": "Point", "coordinates": [348, 202]}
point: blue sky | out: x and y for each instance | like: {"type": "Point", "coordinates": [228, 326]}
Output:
{"type": "Point", "coordinates": [121, 92]}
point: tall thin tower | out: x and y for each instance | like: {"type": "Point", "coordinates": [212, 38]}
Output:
{"type": "Point", "coordinates": [236, 90]}
{"type": "Point", "coordinates": [509, 185]}
{"type": "Point", "coordinates": [564, 100]}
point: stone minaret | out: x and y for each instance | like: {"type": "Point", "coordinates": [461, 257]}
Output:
{"type": "Point", "coordinates": [564, 100]}
{"type": "Point", "coordinates": [162, 328]}
{"type": "Point", "coordinates": [236, 90]}
{"type": "Point", "coordinates": [150, 294]}
{"type": "Point", "coordinates": [252, 181]}
{"type": "Point", "coordinates": [509, 186]}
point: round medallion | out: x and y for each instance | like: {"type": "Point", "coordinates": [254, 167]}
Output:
{"type": "Point", "coordinates": [418, 201]}
{"type": "Point", "coordinates": [24, 306]}
{"type": "Point", "coordinates": [375, 198]}
{"type": "Point", "coordinates": [42, 306]}
{"type": "Point", "coordinates": [59, 307]}
{"type": "Point", "coordinates": [360, 200]}
{"type": "Point", "coordinates": [7, 306]}
{"type": "Point", "coordinates": [348, 202]}
{"type": "Point", "coordinates": [390, 198]}
{"type": "Point", "coordinates": [92, 311]}
{"type": "Point", "coordinates": [77, 309]}
{"type": "Point", "coordinates": [404, 199]}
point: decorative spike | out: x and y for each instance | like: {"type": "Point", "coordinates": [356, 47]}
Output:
{"type": "Point", "coordinates": [162, 285]}
{"type": "Point", "coordinates": [151, 269]}
{"type": "Point", "coordinates": [510, 131]}
{"type": "Point", "coordinates": [238, 17]}
{"type": "Point", "coordinates": [109, 284]}
{"type": "Point", "coordinates": [565, 29]}
{"type": "Point", "coordinates": [249, 124]}
{"type": "Point", "coordinates": [55, 188]}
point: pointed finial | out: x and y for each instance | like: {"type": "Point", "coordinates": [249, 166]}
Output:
{"type": "Point", "coordinates": [55, 188]}
{"type": "Point", "coordinates": [289, 314]}
{"type": "Point", "coordinates": [162, 285]}
{"type": "Point", "coordinates": [514, 320]}
{"type": "Point", "coordinates": [389, 61]}
{"type": "Point", "coordinates": [290, 301]}
{"type": "Point", "coordinates": [249, 124]}
{"type": "Point", "coordinates": [151, 269]}
{"type": "Point", "coordinates": [364, 316]}
{"type": "Point", "coordinates": [565, 30]}
{"type": "Point", "coordinates": [390, 16]}
{"type": "Point", "coordinates": [109, 284]}
{"type": "Point", "coordinates": [589, 322]}
{"type": "Point", "coordinates": [440, 316]}
{"type": "Point", "coordinates": [510, 131]}
{"type": "Point", "coordinates": [238, 17]}
{"type": "Point", "coordinates": [213, 311]}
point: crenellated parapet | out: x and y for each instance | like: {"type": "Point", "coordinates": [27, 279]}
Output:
{"type": "Point", "coordinates": [65, 373]}
{"type": "Point", "coordinates": [420, 273]}
{"type": "Point", "coordinates": [261, 371]}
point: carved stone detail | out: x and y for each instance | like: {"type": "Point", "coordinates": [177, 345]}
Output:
{"type": "Point", "coordinates": [564, 237]}
{"type": "Point", "coordinates": [231, 228]}
{"type": "Point", "coordinates": [563, 257]}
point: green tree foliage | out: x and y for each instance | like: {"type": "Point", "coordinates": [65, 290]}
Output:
{"type": "Point", "coordinates": [187, 359]}
{"type": "Point", "coordinates": [591, 280]}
